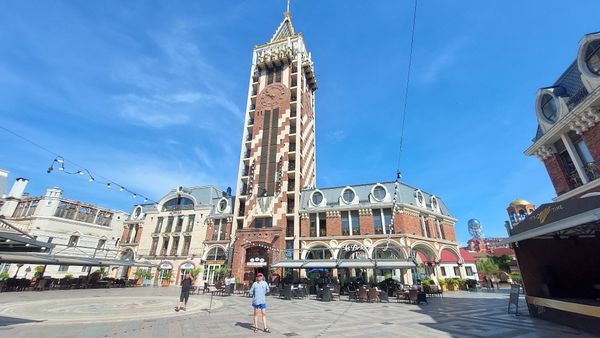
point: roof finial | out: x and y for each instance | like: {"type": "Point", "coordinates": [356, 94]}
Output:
{"type": "Point", "coordinates": [287, 13]}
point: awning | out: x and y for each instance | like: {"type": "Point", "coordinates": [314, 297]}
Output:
{"type": "Point", "coordinates": [320, 263]}
{"type": "Point", "coordinates": [393, 264]}
{"type": "Point", "coordinates": [553, 217]}
{"type": "Point", "coordinates": [291, 264]}
{"type": "Point", "coordinates": [356, 263]}
{"type": "Point", "coordinates": [49, 259]}
{"type": "Point", "coordinates": [15, 242]}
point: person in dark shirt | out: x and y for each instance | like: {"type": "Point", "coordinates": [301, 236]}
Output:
{"type": "Point", "coordinates": [186, 286]}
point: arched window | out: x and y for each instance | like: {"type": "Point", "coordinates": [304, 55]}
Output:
{"type": "Point", "coordinates": [549, 108]}
{"type": "Point", "coordinates": [318, 252]}
{"type": "Point", "coordinates": [178, 203]}
{"type": "Point", "coordinates": [216, 254]}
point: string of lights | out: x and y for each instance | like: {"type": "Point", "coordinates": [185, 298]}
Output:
{"type": "Point", "coordinates": [60, 163]}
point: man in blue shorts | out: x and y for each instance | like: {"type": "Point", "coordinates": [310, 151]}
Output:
{"type": "Point", "coordinates": [259, 290]}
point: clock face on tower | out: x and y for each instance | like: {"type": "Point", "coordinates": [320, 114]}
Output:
{"type": "Point", "coordinates": [272, 96]}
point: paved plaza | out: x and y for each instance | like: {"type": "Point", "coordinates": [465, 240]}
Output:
{"type": "Point", "coordinates": [149, 312]}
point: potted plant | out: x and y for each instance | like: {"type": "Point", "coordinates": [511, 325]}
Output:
{"type": "Point", "coordinates": [68, 276]}
{"type": "Point", "coordinates": [462, 283]}
{"type": "Point", "coordinates": [452, 284]}
{"type": "Point", "coordinates": [39, 271]}
{"type": "Point", "coordinates": [442, 283]}
{"type": "Point", "coordinates": [142, 275]}
{"type": "Point", "coordinates": [4, 276]}
{"type": "Point", "coordinates": [194, 272]}
{"type": "Point", "coordinates": [166, 277]}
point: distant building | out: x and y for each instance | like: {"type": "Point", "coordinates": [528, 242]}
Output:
{"type": "Point", "coordinates": [188, 228]}
{"type": "Point", "coordinates": [76, 228]}
{"type": "Point", "coordinates": [557, 244]}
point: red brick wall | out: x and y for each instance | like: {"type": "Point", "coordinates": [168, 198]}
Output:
{"type": "Point", "coordinates": [139, 234]}
{"type": "Point", "coordinates": [448, 230]}
{"type": "Point", "coordinates": [125, 234]}
{"type": "Point", "coordinates": [592, 140]}
{"type": "Point", "coordinates": [334, 226]}
{"type": "Point", "coordinates": [407, 224]}
{"type": "Point", "coordinates": [304, 227]}
{"type": "Point", "coordinates": [367, 225]}
{"type": "Point", "coordinates": [556, 174]}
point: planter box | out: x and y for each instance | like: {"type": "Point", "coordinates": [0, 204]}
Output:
{"type": "Point", "coordinates": [452, 287]}
{"type": "Point", "coordinates": [165, 282]}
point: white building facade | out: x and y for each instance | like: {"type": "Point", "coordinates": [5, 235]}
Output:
{"type": "Point", "coordinates": [75, 228]}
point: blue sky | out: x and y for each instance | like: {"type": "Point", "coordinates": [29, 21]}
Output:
{"type": "Point", "coordinates": [151, 93]}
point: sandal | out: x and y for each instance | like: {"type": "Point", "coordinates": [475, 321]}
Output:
{"type": "Point", "coordinates": [255, 330]}
{"type": "Point", "coordinates": [267, 330]}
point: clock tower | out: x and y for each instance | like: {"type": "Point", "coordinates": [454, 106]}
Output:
{"type": "Point", "coordinates": [277, 157]}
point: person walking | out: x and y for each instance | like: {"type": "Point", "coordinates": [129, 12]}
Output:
{"type": "Point", "coordinates": [259, 290]}
{"type": "Point", "coordinates": [186, 286]}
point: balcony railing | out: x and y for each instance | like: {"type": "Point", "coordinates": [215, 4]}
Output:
{"type": "Point", "coordinates": [574, 180]}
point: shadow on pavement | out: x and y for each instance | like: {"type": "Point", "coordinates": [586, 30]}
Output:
{"type": "Point", "coordinates": [7, 321]}
{"type": "Point", "coordinates": [245, 325]}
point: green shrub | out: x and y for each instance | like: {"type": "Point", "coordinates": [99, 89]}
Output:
{"type": "Point", "coordinates": [68, 276]}
{"type": "Point", "coordinates": [4, 275]}
{"type": "Point", "coordinates": [441, 281]}
{"type": "Point", "coordinates": [39, 271]}
{"type": "Point", "coordinates": [426, 282]}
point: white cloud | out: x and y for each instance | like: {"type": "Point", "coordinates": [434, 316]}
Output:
{"type": "Point", "coordinates": [442, 60]}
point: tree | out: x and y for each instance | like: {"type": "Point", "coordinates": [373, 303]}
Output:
{"type": "Point", "coordinates": [222, 272]}
{"type": "Point", "coordinates": [487, 266]}
{"type": "Point", "coordinates": [194, 272]}
{"type": "Point", "coordinates": [503, 262]}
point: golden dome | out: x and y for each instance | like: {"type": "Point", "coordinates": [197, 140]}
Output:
{"type": "Point", "coordinates": [520, 202]}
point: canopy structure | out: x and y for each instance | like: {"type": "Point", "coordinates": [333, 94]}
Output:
{"type": "Point", "coordinates": [345, 263]}
{"type": "Point", "coordinates": [50, 259]}
{"type": "Point", "coordinates": [556, 219]}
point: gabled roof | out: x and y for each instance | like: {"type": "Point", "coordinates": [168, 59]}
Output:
{"type": "Point", "coordinates": [284, 31]}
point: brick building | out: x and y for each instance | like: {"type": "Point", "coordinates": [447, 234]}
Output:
{"type": "Point", "coordinates": [282, 220]}
{"type": "Point", "coordinates": [557, 244]}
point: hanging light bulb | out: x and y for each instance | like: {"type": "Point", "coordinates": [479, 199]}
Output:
{"type": "Point", "coordinates": [80, 172]}
{"type": "Point", "coordinates": [61, 168]}
{"type": "Point", "coordinates": [108, 185]}
{"type": "Point", "coordinates": [134, 195]}
{"type": "Point", "coordinates": [121, 188]}
{"type": "Point", "coordinates": [91, 179]}
{"type": "Point", "coordinates": [145, 200]}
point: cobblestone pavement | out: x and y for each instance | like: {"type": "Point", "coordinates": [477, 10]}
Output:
{"type": "Point", "coordinates": [149, 312]}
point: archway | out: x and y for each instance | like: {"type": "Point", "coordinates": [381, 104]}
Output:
{"type": "Point", "coordinates": [353, 251]}
{"type": "Point", "coordinates": [257, 260]}
{"type": "Point", "coordinates": [425, 259]}
{"type": "Point", "coordinates": [389, 252]}
{"type": "Point", "coordinates": [215, 259]}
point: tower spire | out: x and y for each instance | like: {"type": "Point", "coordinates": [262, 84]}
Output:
{"type": "Point", "coordinates": [288, 13]}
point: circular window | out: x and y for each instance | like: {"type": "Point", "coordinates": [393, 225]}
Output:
{"type": "Point", "coordinates": [317, 198]}
{"type": "Point", "coordinates": [137, 212]}
{"type": "Point", "coordinates": [592, 57]}
{"type": "Point", "coordinates": [222, 205]}
{"type": "Point", "coordinates": [379, 193]}
{"type": "Point", "coordinates": [348, 195]}
{"type": "Point", "coordinates": [549, 108]}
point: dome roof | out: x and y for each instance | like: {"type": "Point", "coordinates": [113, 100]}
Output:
{"type": "Point", "coordinates": [520, 202]}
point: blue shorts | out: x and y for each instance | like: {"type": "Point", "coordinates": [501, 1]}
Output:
{"type": "Point", "coordinates": [259, 306]}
